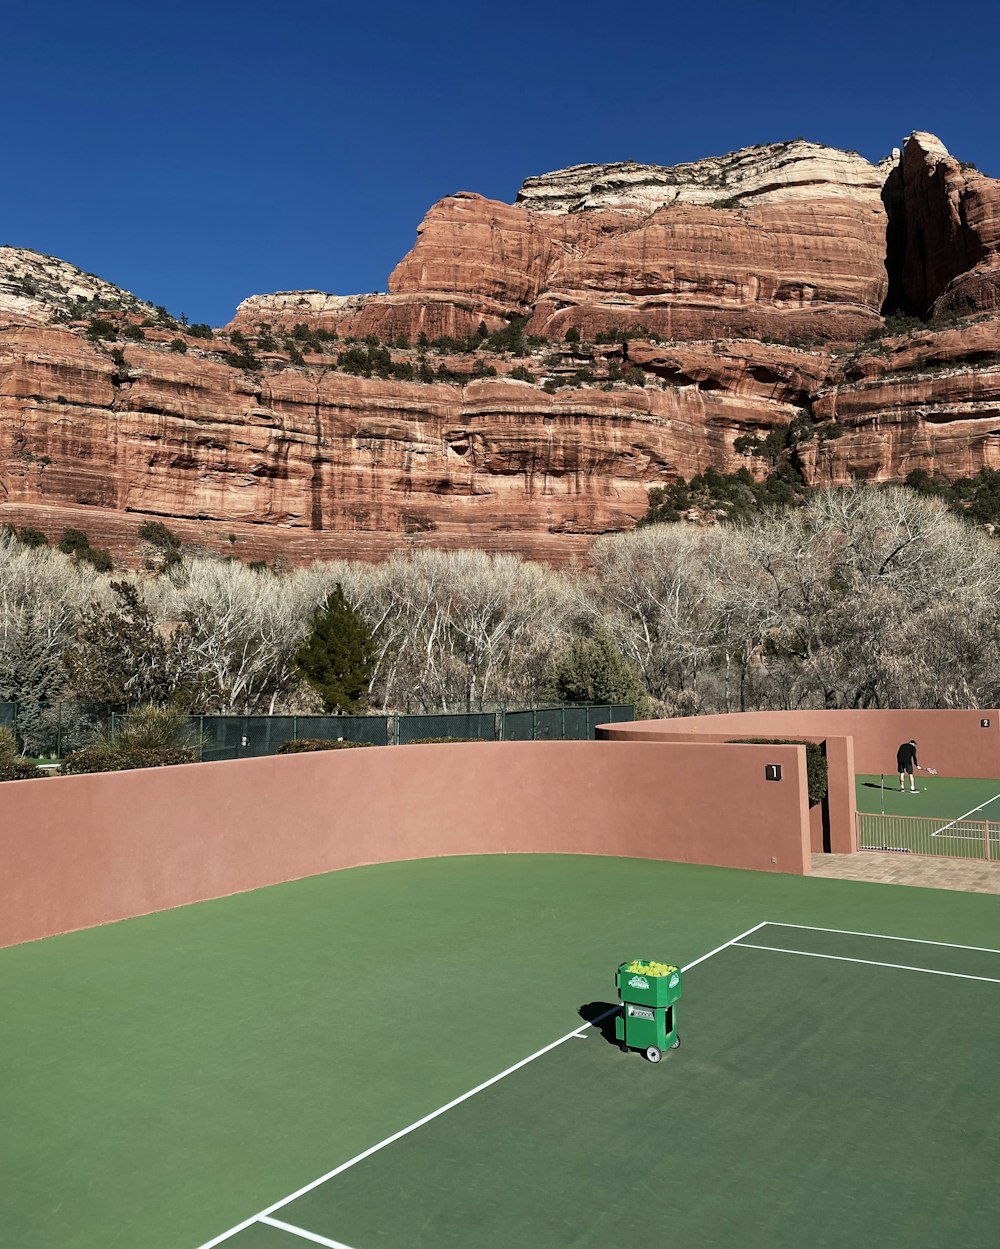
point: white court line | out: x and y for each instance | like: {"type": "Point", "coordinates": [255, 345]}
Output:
{"type": "Point", "coordinates": [302, 1233]}
{"type": "Point", "coordinates": [959, 818]}
{"type": "Point", "coordinates": [868, 962]}
{"type": "Point", "coordinates": [262, 1215]}
{"type": "Point", "coordinates": [882, 936]}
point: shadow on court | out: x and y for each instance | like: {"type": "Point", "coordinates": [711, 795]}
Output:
{"type": "Point", "coordinates": [593, 1011]}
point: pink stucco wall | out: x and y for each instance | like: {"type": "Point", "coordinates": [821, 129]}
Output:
{"type": "Point", "coordinates": [833, 824]}
{"type": "Point", "coordinates": [79, 851]}
{"type": "Point", "coordinates": [951, 741]}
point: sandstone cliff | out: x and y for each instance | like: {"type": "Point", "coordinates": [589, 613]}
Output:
{"type": "Point", "coordinates": [751, 290]}
{"type": "Point", "coordinates": [785, 241]}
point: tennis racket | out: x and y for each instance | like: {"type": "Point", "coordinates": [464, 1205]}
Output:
{"type": "Point", "coordinates": [930, 771]}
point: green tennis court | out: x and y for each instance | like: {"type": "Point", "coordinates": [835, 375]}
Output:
{"type": "Point", "coordinates": [950, 815]}
{"type": "Point", "coordinates": [174, 1080]}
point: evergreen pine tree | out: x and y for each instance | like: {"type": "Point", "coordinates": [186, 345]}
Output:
{"type": "Point", "coordinates": [592, 669]}
{"type": "Point", "coordinates": [338, 656]}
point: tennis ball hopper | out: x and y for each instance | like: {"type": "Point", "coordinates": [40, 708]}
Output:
{"type": "Point", "coordinates": [647, 1018]}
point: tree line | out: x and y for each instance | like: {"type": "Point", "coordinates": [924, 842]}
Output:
{"type": "Point", "coordinates": [866, 597]}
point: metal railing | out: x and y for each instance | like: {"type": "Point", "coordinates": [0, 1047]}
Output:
{"type": "Point", "coordinates": [921, 834]}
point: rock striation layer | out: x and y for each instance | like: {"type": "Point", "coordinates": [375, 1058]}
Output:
{"type": "Point", "coordinates": [752, 290]}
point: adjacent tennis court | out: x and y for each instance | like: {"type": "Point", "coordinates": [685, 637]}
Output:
{"type": "Point", "coordinates": [954, 816]}
{"type": "Point", "coordinates": [396, 1056]}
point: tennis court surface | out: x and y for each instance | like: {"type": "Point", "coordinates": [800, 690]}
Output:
{"type": "Point", "coordinates": [395, 1056]}
{"type": "Point", "coordinates": [954, 816]}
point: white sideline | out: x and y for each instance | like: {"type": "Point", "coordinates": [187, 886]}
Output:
{"type": "Point", "coordinates": [302, 1233]}
{"type": "Point", "coordinates": [882, 936]}
{"type": "Point", "coordinates": [958, 819]}
{"type": "Point", "coordinates": [263, 1216]}
{"type": "Point", "coordinates": [868, 962]}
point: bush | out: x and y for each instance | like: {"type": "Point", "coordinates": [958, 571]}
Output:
{"type": "Point", "coordinates": [18, 769]}
{"type": "Point", "coordinates": [304, 744]}
{"type": "Point", "coordinates": [179, 345]}
{"type": "Point", "coordinates": [817, 775]}
{"type": "Point", "coordinates": [76, 543]}
{"type": "Point", "coordinates": [73, 542]}
{"type": "Point", "coordinates": [157, 534]}
{"type": "Point", "coordinates": [12, 766]}
{"type": "Point", "coordinates": [99, 328]}
{"type": "Point", "coordinates": [29, 536]}
{"type": "Point", "coordinates": [99, 558]}
{"type": "Point", "coordinates": [112, 758]}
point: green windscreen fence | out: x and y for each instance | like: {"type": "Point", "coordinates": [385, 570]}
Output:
{"type": "Point", "coordinates": [560, 724]}
{"type": "Point", "coordinates": [246, 737]}
{"type": "Point", "coordinates": [240, 737]}
{"type": "Point", "coordinates": [375, 730]}
{"type": "Point", "coordinates": [478, 725]}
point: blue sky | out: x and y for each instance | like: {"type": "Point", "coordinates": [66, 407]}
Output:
{"type": "Point", "coordinates": [200, 153]}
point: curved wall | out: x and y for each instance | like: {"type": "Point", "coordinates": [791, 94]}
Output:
{"type": "Point", "coordinates": [79, 851]}
{"type": "Point", "coordinates": [951, 741]}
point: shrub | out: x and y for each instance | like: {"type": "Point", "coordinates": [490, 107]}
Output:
{"type": "Point", "coordinates": [73, 542]}
{"type": "Point", "coordinates": [817, 775]}
{"type": "Point", "coordinates": [99, 328]}
{"type": "Point", "coordinates": [178, 344]}
{"type": "Point", "coordinates": [150, 737]}
{"type": "Point", "coordinates": [304, 744]}
{"type": "Point", "coordinates": [29, 536]}
{"type": "Point", "coordinates": [12, 766]}
{"type": "Point", "coordinates": [153, 727]}
{"type": "Point", "coordinates": [18, 769]}
{"type": "Point", "coordinates": [108, 757]}
{"type": "Point", "coordinates": [158, 535]}
{"type": "Point", "coordinates": [99, 558]}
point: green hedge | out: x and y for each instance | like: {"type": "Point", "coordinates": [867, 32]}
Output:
{"type": "Point", "coordinates": [302, 744]}
{"type": "Point", "coordinates": [817, 775]}
{"type": "Point", "coordinates": [17, 769]}
{"type": "Point", "coordinates": [123, 759]}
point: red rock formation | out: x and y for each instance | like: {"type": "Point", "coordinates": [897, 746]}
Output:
{"type": "Point", "coordinates": [952, 228]}
{"type": "Point", "coordinates": [306, 461]}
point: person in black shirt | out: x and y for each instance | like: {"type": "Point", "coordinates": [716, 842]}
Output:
{"type": "Point", "coordinates": [906, 761]}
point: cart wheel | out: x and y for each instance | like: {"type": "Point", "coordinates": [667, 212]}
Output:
{"type": "Point", "coordinates": [653, 1054]}
{"type": "Point", "coordinates": [676, 1043]}
{"type": "Point", "coordinates": [623, 1047]}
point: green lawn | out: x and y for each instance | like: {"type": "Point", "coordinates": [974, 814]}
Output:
{"type": "Point", "coordinates": [168, 1077]}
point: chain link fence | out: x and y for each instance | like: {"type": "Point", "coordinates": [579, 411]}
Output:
{"type": "Point", "coordinates": [246, 737]}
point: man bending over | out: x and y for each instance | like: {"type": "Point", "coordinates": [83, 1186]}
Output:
{"type": "Point", "coordinates": [906, 761]}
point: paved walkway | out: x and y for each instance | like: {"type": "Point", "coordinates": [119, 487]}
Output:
{"type": "Point", "coordinates": [971, 875]}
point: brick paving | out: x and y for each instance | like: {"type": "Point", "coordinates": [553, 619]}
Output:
{"type": "Point", "coordinates": [970, 875]}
